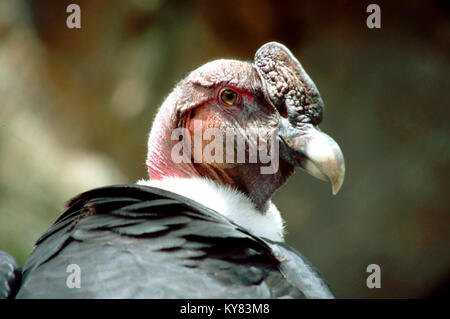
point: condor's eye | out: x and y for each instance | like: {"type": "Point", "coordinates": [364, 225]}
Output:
{"type": "Point", "coordinates": [228, 97]}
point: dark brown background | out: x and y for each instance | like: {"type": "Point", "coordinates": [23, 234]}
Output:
{"type": "Point", "coordinates": [76, 107]}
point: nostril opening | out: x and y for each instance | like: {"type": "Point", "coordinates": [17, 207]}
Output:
{"type": "Point", "coordinates": [282, 109]}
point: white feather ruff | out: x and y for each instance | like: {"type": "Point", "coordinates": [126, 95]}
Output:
{"type": "Point", "coordinates": [227, 201]}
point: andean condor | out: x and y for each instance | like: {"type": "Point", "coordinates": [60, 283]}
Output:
{"type": "Point", "coordinates": [197, 228]}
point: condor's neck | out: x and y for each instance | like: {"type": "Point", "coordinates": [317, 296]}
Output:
{"type": "Point", "coordinates": [246, 178]}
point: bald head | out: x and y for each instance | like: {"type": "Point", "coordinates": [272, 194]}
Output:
{"type": "Point", "coordinates": [270, 101]}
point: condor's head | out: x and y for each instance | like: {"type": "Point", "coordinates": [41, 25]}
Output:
{"type": "Point", "coordinates": [271, 104]}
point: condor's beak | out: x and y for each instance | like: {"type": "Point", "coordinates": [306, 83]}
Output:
{"type": "Point", "coordinates": [315, 152]}
{"type": "Point", "coordinates": [290, 90]}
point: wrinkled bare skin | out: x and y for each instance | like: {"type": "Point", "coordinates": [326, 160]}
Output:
{"type": "Point", "coordinates": [276, 97]}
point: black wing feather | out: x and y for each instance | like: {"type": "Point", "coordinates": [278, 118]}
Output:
{"type": "Point", "coordinates": [134, 241]}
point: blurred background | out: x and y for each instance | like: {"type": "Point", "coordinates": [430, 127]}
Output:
{"type": "Point", "coordinates": [76, 106]}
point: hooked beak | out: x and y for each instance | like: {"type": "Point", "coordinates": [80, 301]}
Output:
{"type": "Point", "coordinates": [292, 92]}
{"type": "Point", "coordinates": [316, 153]}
